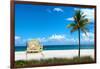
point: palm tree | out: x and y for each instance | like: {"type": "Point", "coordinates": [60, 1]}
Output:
{"type": "Point", "coordinates": [79, 24]}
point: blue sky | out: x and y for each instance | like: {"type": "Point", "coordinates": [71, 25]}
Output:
{"type": "Point", "coordinates": [48, 25]}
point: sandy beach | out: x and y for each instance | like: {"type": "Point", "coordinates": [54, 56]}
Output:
{"type": "Point", "coordinates": [21, 55]}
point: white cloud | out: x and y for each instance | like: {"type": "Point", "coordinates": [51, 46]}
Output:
{"type": "Point", "coordinates": [76, 9]}
{"type": "Point", "coordinates": [19, 41]}
{"type": "Point", "coordinates": [59, 39]}
{"type": "Point", "coordinates": [56, 37]}
{"type": "Point", "coordinates": [29, 39]}
{"type": "Point", "coordinates": [17, 37]}
{"type": "Point", "coordinates": [89, 38]}
{"type": "Point", "coordinates": [88, 35]}
{"type": "Point", "coordinates": [52, 38]}
{"type": "Point", "coordinates": [58, 9]}
{"type": "Point", "coordinates": [70, 19]}
{"type": "Point", "coordinates": [43, 39]}
{"type": "Point", "coordinates": [89, 13]}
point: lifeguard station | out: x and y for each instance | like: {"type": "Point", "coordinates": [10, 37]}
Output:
{"type": "Point", "coordinates": [33, 47]}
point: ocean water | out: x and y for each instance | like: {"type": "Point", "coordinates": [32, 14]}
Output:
{"type": "Point", "coordinates": [57, 47]}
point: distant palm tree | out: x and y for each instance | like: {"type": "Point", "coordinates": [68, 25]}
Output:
{"type": "Point", "coordinates": [79, 24]}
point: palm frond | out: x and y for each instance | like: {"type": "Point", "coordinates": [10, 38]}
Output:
{"type": "Point", "coordinates": [71, 25]}
{"type": "Point", "coordinates": [85, 30]}
{"type": "Point", "coordinates": [75, 28]}
{"type": "Point", "coordinates": [80, 22]}
{"type": "Point", "coordinates": [84, 20]}
{"type": "Point", "coordinates": [75, 19]}
{"type": "Point", "coordinates": [78, 15]}
{"type": "Point", "coordinates": [83, 16]}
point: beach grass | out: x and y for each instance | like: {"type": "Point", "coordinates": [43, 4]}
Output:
{"type": "Point", "coordinates": [22, 63]}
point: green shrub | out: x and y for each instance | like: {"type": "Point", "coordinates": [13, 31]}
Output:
{"type": "Point", "coordinates": [21, 63]}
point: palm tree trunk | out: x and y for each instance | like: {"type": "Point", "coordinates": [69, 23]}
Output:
{"type": "Point", "coordinates": [79, 43]}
